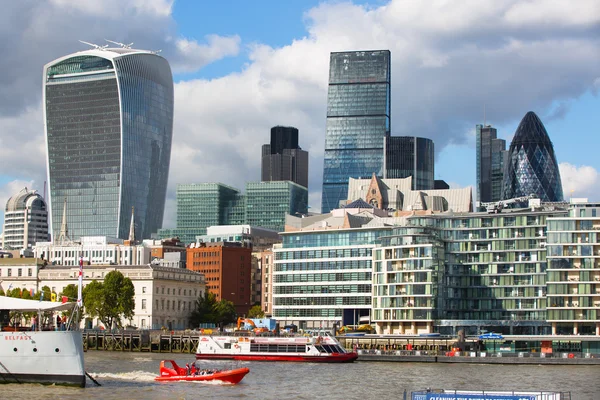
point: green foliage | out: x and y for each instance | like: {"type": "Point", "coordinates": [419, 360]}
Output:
{"type": "Point", "coordinates": [70, 291]}
{"type": "Point", "coordinates": [256, 312]}
{"type": "Point", "coordinates": [209, 310]}
{"type": "Point", "coordinates": [111, 300]}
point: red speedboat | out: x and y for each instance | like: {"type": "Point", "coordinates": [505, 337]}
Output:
{"type": "Point", "coordinates": [176, 373]}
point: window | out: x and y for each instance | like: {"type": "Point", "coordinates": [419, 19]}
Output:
{"type": "Point", "coordinates": [593, 212]}
{"type": "Point", "coordinates": [20, 272]}
{"type": "Point", "coordinates": [29, 273]}
{"type": "Point", "coordinates": [143, 289]}
{"type": "Point", "coordinates": [143, 323]}
{"type": "Point", "coordinates": [163, 290]}
{"type": "Point", "coordinates": [168, 290]}
{"type": "Point", "coordinates": [143, 304]}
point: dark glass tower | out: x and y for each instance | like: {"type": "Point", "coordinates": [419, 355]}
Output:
{"type": "Point", "coordinates": [108, 123]}
{"type": "Point", "coordinates": [490, 154]}
{"type": "Point", "coordinates": [410, 156]}
{"type": "Point", "coordinates": [358, 120]}
{"type": "Point", "coordinates": [283, 159]}
{"type": "Point", "coordinates": [531, 164]}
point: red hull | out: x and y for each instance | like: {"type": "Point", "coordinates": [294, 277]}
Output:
{"type": "Point", "coordinates": [231, 376]}
{"type": "Point", "coordinates": [335, 358]}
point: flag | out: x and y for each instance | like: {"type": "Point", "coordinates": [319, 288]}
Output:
{"type": "Point", "coordinates": [32, 292]}
{"type": "Point", "coordinates": [53, 296]}
{"type": "Point", "coordinates": [42, 296]}
{"type": "Point", "coordinates": [65, 299]}
{"type": "Point", "coordinates": [79, 288]}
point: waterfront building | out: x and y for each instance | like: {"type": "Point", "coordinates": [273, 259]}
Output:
{"type": "Point", "coordinates": [264, 205]}
{"type": "Point", "coordinates": [358, 120]}
{"type": "Point", "coordinates": [25, 220]}
{"type": "Point", "coordinates": [283, 159]}
{"type": "Point", "coordinates": [163, 296]}
{"type": "Point", "coordinates": [531, 166]}
{"type": "Point", "coordinates": [166, 249]}
{"type": "Point", "coordinates": [108, 116]}
{"type": "Point", "coordinates": [490, 157]}
{"type": "Point", "coordinates": [265, 260]}
{"type": "Point", "coordinates": [248, 236]}
{"type": "Point", "coordinates": [322, 271]}
{"type": "Point", "coordinates": [573, 284]}
{"type": "Point", "coordinates": [397, 195]}
{"type": "Point", "coordinates": [95, 250]}
{"type": "Point", "coordinates": [227, 268]}
{"type": "Point", "coordinates": [410, 156]}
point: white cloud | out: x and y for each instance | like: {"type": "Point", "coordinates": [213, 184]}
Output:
{"type": "Point", "coordinates": [194, 56]}
{"type": "Point", "coordinates": [580, 181]}
{"type": "Point", "coordinates": [116, 9]}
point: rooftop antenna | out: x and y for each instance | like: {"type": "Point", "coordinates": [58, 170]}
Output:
{"type": "Point", "coordinates": [484, 114]}
{"type": "Point", "coordinates": [94, 45]}
{"type": "Point", "coordinates": [122, 45]}
{"type": "Point", "coordinates": [155, 51]}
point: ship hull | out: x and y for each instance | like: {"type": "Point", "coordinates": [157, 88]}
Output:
{"type": "Point", "coordinates": [47, 357]}
{"type": "Point", "coordinates": [341, 358]}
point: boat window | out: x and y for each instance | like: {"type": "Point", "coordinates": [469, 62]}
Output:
{"type": "Point", "coordinates": [227, 345]}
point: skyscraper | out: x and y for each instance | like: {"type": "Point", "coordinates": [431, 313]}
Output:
{"type": "Point", "coordinates": [490, 154]}
{"type": "Point", "coordinates": [358, 120]}
{"type": "Point", "coordinates": [25, 220]}
{"type": "Point", "coordinates": [108, 122]}
{"type": "Point", "coordinates": [283, 159]}
{"type": "Point", "coordinates": [531, 164]}
{"type": "Point", "coordinates": [410, 156]}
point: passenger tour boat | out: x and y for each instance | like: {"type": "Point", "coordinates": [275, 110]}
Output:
{"type": "Point", "coordinates": [324, 349]}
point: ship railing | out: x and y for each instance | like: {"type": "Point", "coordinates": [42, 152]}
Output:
{"type": "Point", "coordinates": [436, 353]}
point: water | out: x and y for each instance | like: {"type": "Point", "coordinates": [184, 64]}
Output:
{"type": "Point", "coordinates": [130, 376]}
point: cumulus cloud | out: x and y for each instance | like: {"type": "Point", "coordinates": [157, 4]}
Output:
{"type": "Point", "coordinates": [580, 181]}
{"type": "Point", "coordinates": [448, 59]}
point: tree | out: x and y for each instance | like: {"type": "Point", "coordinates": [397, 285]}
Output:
{"type": "Point", "coordinates": [256, 312]}
{"type": "Point", "coordinates": [71, 292]}
{"type": "Point", "coordinates": [209, 310]}
{"type": "Point", "coordinates": [110, 301]}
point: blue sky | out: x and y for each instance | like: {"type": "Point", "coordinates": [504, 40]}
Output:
{"type": "Point", "coordinates": [242, 67]}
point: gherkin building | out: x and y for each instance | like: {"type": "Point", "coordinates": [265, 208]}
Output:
{"type": "Point", "coordinates": [531, 167]}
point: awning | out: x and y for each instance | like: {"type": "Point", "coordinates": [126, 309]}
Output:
{"type": "Point", "coordinates": [16, 304]}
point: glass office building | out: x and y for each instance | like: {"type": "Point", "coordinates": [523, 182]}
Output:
{"type": "Point", "coordinates": [358, 120]}
{"type": "Point", "coordinates": [267, 203]}
{"type": "Point", "coordinates": [490, 155]}
{"type": "Point", "coordinates": [108, 124]}
{"type": "Point", "coordinates": [531, 164]}
{"type": "Point", "coordinates": [410, 156]}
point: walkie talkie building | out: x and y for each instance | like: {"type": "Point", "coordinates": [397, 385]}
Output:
{"type": "Point", "coordinates": [108, 116]}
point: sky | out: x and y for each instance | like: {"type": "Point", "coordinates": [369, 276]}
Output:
{"type": "Point", "coordinates": [241, 67]}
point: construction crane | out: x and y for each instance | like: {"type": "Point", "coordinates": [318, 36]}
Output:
{"type": "Point", "coordinates": [495, 207]}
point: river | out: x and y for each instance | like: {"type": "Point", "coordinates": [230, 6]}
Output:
{"type": "Point", "coordinates": [129, 376]}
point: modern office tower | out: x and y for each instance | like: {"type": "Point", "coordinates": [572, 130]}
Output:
{"type": "Point", "coordinates": [358, 120]}
{"type": "Point", "coordinates": [531, 164]}
{"type": "Point", "coordinates": [490, 153]}
{"type": "Point", "coordinates": [108, 123]}
{"type": "Point", "coordinates": [264, 205]}
{"type": "Point", "coordinates": [410, 156]}
{"type": "Point", "coordinates": [267, 203]}
{"type": "Point", "coordinates": [25, 220]}
{"type": "Point", "coordinates": [573, 253]}
{"type": "Point", "coordinates": [283, 159]}
{"type": "Point", "coordinates": [227, 267]}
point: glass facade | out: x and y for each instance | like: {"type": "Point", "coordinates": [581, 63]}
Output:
{"type": "Point", "coordinates": [531, 164]}
{"type": "Point", "coordinates": [410, 156]}
{"type": "Point", "coordinates": [358, 120]}
{"type": "Point", "coordinates": [109, 120]}
{"type": "Point", "coordinates": [265, 205]}
{"type": "Point", "coordinates": [490, 155]}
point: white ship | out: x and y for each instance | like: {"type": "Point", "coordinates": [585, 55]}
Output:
{"type": "Point", "coordinates": [48, 357]}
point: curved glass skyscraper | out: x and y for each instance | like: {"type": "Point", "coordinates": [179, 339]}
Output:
{"type": "Point", "coordinates": [108, 123]}
{"type": "Point", "coordinates": [531, 166]}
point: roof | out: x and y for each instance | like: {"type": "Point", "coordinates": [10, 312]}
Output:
{"type": "Point", "coordinates": [107, 53]}
{"type": "Point", "coordinates": [16, 304]}
{"type": "Point", "coordinates": [360, 203]}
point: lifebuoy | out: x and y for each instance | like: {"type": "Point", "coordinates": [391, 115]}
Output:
{"type": "Point", "coordinates": [236, 346]}
{"type": "Point", "coordinates": [571, 355]}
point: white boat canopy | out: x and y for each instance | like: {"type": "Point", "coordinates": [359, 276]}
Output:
{"type": "Point", "coordinates": [16, 304]}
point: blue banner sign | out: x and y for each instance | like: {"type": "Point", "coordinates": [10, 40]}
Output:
{"type": "Point", "coordinates": [457, 396]}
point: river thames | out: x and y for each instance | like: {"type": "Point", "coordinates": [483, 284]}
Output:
{"type": "Point", "coordinates": [129, 376]}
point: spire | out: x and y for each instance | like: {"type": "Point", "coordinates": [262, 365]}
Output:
{"type": "Point", "coordinates": [63, 236]}
{"type": "Point", "coordinates": [132, 227]}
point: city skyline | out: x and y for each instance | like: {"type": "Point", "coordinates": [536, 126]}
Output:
{"type": "Point", "coordinates": [234, 79]}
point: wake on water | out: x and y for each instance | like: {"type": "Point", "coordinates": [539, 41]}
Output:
{"type": "Point", "coordinates": [142, 376]}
